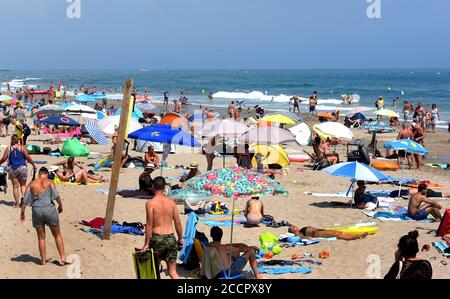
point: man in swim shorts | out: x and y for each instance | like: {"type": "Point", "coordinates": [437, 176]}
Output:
{"type": "Point", "coordinates": [162, 216]}
{"type": "Point", "coordinates": [419, 211]}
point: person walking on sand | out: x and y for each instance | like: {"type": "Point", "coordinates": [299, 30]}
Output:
{"type": "Point", "coordinates": [417, 211]}
{"type": "Point", "coordinates": [166, 100]}
{"type": "Point", "coordinates": [39, 195]}
{"type": "Point", "coordinates": [434, 117]}
{"type": "Point", "coordinates": [162, 216]}
{"type": "Point", "coordinates": [17, 156]}
{"type": "Point", "coordinates": [405, 133]}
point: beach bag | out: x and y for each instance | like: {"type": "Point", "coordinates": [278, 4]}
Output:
{"type": "Point", "coordinates": [444, 227]}
{"type": "Point", "coordinates": [269, 242]}
{"type": "Point", "coordinates": [144, 265]}
{"type": "Point", "coordinates": [73, 148]}
{"type": "Point", "coordinates": [33, 149]}
{"type": "Point", "coordinates": [216, 207]}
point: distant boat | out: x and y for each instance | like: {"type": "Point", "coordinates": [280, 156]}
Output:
{"type": "Point", "coordinates": [4, 70]}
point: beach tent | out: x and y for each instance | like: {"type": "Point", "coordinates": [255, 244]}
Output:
{"type": "Point", "coordinates": [173, 119]}
{"type": "Point", "coordinates": [333, 130]}
{"type": "Point", "coordinates": [359, 116]}
{"type": "Point", "coordinates": [266, 135]}
{"type": "Point", "coordinates": [272, 154]}
{"type": "Point", "coordinates": [73, 148]}
{"type": "Point", "coordinates": [302, 134]}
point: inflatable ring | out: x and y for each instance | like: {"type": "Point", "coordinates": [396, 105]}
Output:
{"type": "Point", "coordinates": [299, 158]}
{"type": "Point", "coordinates": [385, 165]}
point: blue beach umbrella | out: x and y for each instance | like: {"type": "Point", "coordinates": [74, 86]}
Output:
{"type": "Point", "coordinates": [407, 145]}
{"type": "Point", "coordinates": [98, 95]}
{"type": "Point", "coordinates": [164, 134]}
{"type": "Point", "coordinates": [356, 171]}
{"type": "Point", "coordinates": [60, 120]}
{"type": "Point", "coordinates": [197, 116]}
{"type": "Point", "coordinates": [86, 98]}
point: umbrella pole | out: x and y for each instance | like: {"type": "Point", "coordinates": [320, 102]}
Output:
{"type": "Point", "coordinates": [223, 151]}
{"type": "Point", "coordinates": [349, 189]}
{"type": "Point", "coordinates": [231, 236]}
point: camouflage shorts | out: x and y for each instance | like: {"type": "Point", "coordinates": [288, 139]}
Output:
{"type": "Point", "coordinates": [165, 246]}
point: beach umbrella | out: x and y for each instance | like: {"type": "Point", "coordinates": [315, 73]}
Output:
{"type": "Point", "coordinates": [226, 128]}
{"type": "Point", "coordinates": [326, 115]}
{"type": "Point", "coordinates": [109, 123]}
{"type": "Point", "coordinates": [95, 132]}
{"type": "Point", "coordinates": [291, 115]}
{"type": "Point", "coordinates": [49, 110]}
{"type": "Point", "coordinates": [85, 98]}
{"type": "Point", "coordinates": [302, 133]}
{"type": "Point", "coordinates": [78, 108]}
{"type": "Point", "coordinates": [333, 129]}
{"type": "Point", "coordinates": [356, 172]}
{"type": "Point", "coordinates": [279, 119]}
{"type": "Point", "coordinates": [376, 126]}
{"type": "Point", "coordinates": [359, 116]}
{"type": "Point", "coordinates": [407, 145]}
{"type": "Point", "coordinates": [199, 116]}
{"type": "Point", "coordinates": [145, 106]}
{"type": "Point", "coordinates": [137, 113]}
{"type": "Point", "coordinates": [266, 135]}
{"type": "Point", "coordinates": [234, 182]}
{"type": "Point", "coordinates": [386, 112]}
{"type": "Point", "coordinates": [98, 95]}
{"type": "Point", "coordinates": [272, 154]}
{"type": "Point", "coordinates": [164, 134]}
{"type": "Point", "coordinates": [60, 120]}
{"type": "Point", "coordinates": [251, 121]}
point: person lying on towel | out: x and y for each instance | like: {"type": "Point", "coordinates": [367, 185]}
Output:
{"type": "Point", "coordinates": [361, 197]}
{"type": "Point", "coordinates": [81, 176]}
{"type": "Point", "coordinates": [420, 206]}
{"type": "Point", "coordinates": [312, 232]}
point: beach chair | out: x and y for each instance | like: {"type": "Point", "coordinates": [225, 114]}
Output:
{"type": "Point", "coordinates": [212, 266]}
{"type": "Point", "coordinates": [318, 162]}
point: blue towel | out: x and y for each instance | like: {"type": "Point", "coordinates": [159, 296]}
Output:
{"type": "Point", "coordinates": [116, 229]}
{"type": "Point", "coordinates": [284, 270]}
{"type": "Point", "coordinates": [441, 246]}
{"type": "Point", "coordinates": [189, 236]}
{"type": "Point", "coordinates": [400, 215]}
{"type": "Point", "coordinates": [225, 223]}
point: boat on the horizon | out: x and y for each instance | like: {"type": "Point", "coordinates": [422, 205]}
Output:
{"type": "Point", "coordinates": [4, 70]}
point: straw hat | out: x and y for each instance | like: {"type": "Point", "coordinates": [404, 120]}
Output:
{"type": "Point", "coordinates": [193, 165]}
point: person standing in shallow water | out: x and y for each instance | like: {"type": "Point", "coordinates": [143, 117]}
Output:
{"type": "Point", "coordinates": [40, 195]}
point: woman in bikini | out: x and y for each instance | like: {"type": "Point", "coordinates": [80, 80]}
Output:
{"type": "Point", "coordinates": [82, 176]}
{"type": "Point", "coordinates": [312, 232]}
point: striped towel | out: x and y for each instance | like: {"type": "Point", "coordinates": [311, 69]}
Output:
{"type": "Point", "coordinates": [441, 246]}
{"type": "Point", "coordinates": [95, 132]}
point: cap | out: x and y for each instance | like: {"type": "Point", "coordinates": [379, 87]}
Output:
{"type": "Point", "coordinates": [149, 166]}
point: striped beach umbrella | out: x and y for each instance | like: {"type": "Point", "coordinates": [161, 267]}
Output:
{"type": "Point", "coordinates": [95, 132]}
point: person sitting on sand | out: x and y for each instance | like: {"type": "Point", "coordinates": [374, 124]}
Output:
{"type": "Point", "coordinates": [151, 157]}
{"type": "Point", "coordinates": [40, 194]}
{"type": "Point", "coordinates": [193, 171]}
{"type": "Point", "coordinates": [407, 265]}
{"type": "Point", "coordinates": [145, 184]}
{"type": "Point", "coordinates": [361, 197]}
{"type": "Point", "coordinates": [333, 158]}
{"type": "Point", "coordinates": [254, 211]}
{"type": "Point", "coordinates": [238, 261]}
{"type": "Point", "coordinates": [417, 211]}
{"type": "Point", "coordinates": [430, 193]}
{"type": "Point", "coordinates": [125, 155]}
{"type": "Point", "coordinates": [82, 176]}
{"type": "Point", "coordinates": [312, 232]}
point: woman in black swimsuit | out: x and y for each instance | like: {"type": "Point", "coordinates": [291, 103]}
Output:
{"type": "Point", "coordinates": [312, 232]}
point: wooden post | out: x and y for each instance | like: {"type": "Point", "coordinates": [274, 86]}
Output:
{"type": "Point", "coordinates": [124, 116]}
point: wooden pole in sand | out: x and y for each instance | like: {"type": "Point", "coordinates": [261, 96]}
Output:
{"type": "Point", "coordinates": [123, 124]}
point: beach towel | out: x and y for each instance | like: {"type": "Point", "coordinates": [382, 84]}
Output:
{"type": "Point", "coordinates": [189, 235]}
{"type": "Point", "coordinates": [441, 247]}
{"type": "Point", "coordinates": [286, 263]}
{"type": "Point", "coordinates": [58, 181]}
{"type": "Point", "coordinates": [222, 220]}
{"type": "Point", "coordinates": [144, 265]}
{"type": "Point", "coordinates": [284, 270]}
{"type": "Point", "coordinates": [394, 215]}
{"type": "Point", "coordinates": [97, 222]}
{"type": "Point", "coordinates": [117, 228]}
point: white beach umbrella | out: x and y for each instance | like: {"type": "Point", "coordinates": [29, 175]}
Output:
{"type": "Point", "coordinates": [109, 123]}
{"type": "Point", "coordinates": [302, 133]}
{"type": "Point", "coordinates": [333, 129]}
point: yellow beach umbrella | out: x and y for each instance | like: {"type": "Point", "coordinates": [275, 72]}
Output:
{"type": "Point", "coordinates": [280, 119]}
{"type": "Point", "coordinates": [272, 154]}
{"type": "Point", "coordinates": [386, 112]}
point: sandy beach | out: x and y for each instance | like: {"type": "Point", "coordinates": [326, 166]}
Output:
{"type": "Point", "coordinates": [19, 257]}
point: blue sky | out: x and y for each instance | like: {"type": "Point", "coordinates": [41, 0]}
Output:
{"type": "Point", "coordinates": [224, 34]}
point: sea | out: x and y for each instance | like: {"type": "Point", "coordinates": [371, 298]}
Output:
{"type": "Point", "coordinates": [267, 88]}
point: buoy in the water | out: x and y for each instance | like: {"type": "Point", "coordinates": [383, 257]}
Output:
{"type": "Point", "coordinates": [389, 88]}
{"type": "Point", "coordinates": [203, 91]}
{"type": "Point", "coordinates": [402, 93]}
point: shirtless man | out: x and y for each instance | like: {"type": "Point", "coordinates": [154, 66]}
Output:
{"type": "Point", "coordinates": [176, 106]}
{"type": "Point", "coordinates": [231, 108]}
{"type": "Point", "coordinates": [325, 149]}
{"type": "Point", "coordinates": [238, 261]}
{"type": "Point", "coordinates": [69, 175]}
{"type": "Point", "coordinates": [162, 215]}
{"type": "Point", "coordinates": [417, 211]}
{"type": "Point", "coordinates": [296, 102]}
{"type": "Point", "coordinates": [405, 133]}
{"type": "Point", "coordinates": [312, 103]}
{"type": "Point", "coordinates": [312, 232]}
{"type": "Point", "coordinates": [151, 157]}
{"type": "Point", "coordinates": [254, 211]}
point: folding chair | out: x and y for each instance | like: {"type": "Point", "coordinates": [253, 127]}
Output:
{"type": "Point", "coordinates": [211, 261]}
{"type": "Point", "coordinates": [318, 162]}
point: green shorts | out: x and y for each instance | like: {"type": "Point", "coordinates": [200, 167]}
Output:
{"type": "Point", "coordinates": [165, 246]}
